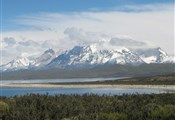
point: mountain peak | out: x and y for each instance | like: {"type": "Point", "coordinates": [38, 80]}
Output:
{"type": "Point", "coordinates": [161, 51]}
{"type": "Point", "coordinates": [92, 47]}
{"type": "Point", "coordinates": [16, 64]}
{"type": "Point", "coordinates": [44, 59]}
{"type": "Point", "coordinates": [152, 55]}
{"type": "Point", "coordinates": [49, 51]}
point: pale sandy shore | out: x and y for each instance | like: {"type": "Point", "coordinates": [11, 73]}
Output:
{"type": "Point", "coordinates": [34, 85]}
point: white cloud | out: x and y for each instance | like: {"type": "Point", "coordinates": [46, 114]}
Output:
{"type": "Point", "coordinates": [9, 41]}
{"type": "Point", "coordinates": [126, 42]}
{"type": "Point", "coordinates": [154, 25]}
{"type": "Point", "coordinates": [81, 37]}
{"type": "Point", "coordinates": [146, 7]}
{"type": "Point", "coordinates": [29, 43]}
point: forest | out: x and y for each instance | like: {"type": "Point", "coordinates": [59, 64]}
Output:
{"type": "Point", "coordinates": [88, 107]}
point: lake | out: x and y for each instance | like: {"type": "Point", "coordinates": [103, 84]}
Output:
{"type": "Point", "coordinates": [12, 91]}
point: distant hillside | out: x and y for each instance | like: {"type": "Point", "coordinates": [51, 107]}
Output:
{"type": "Point", "coordinates": [100, 71]}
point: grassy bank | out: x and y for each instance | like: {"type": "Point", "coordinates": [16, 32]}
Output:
{"type": "Point", "coordinates": [89, 107]}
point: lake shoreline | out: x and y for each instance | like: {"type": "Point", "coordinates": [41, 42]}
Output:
{"type": "Point", "coordinates": [120, 86]}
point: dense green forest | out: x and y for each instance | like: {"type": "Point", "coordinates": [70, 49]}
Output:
{"type": "Point", "coordinates": [88, 107]}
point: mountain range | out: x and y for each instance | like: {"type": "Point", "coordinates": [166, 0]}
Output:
{"type": "Point", "coordinates": [89, 56]}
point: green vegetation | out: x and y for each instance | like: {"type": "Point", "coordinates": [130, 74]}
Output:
{"type": "Point", "coordinates": [88, 107]}
{"type": "Point", "coordinates": [4, 107]}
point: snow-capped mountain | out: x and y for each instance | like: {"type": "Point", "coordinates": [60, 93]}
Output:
{"type": "Point", "coordinates": [170, 59]}
{"type": "Point", "coordinates": [27, 62]}
{"type": "Point", "coordinates": [16, 64]}
{"type": "Point", "coordinates": [94, 55]}
{"type": "Point", "coordinates": [44, 59]}
{"type": "Point", "coordinates": [153, 55]}
{"type": "Point", "coordinates": [90, 56]}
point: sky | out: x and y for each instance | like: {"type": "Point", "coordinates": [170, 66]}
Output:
{"type": "Point", "coordinates": [29, 27]}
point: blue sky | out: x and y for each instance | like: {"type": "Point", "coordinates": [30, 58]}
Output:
{"type": "Point", "coordinates": [14, 8]}
{"type": "Point", "coordinates": [62, 24]}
